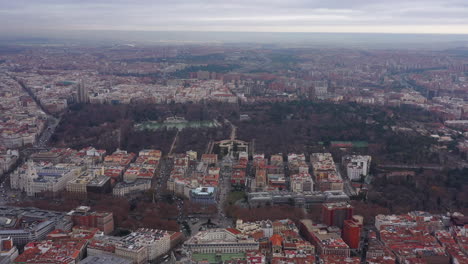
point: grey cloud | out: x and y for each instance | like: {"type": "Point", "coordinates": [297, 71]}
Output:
{"type": "Point", "coordinates": [236, 15]}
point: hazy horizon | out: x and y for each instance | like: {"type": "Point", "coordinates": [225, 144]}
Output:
{"type": "Point", "coordinates": [305, 39]}
{"type": "Point", "coordinates": [334, 16]}
{"type": "Point", "coordinates": [431, 24]}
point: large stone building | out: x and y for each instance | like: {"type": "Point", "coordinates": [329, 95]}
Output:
{"type": "Point", "coordinates": [157, 242]}
{"type": "Point", "coordinates": [142, 246]}
{"type": "Point", "coordinates": [304, 199]}
{"type": "Point", "coordinates": [124, 188]}
{"type": "Point", "coordinates": [220, 241]}
{"type": "Point", "coordinates": [90, 180]}
{"type": "Point", "coordinates": [35, 178]}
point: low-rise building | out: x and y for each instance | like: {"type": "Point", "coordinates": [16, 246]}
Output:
{"type": "Point", "coordinates": [66, 251]}
{"type": "Point", "coordinates": [125, 188]}
{"type": "Point", "coordinates": [83, 216]}
{"type": "Point", "coordinates": [203, 195]}
{"type": "Point", "coordinates": [301, 182]}
{"type": "Point", "coordinates": [305, 199]}
{"type": "Point", "coordinates": [238, 177]}
{"type": "Point", "coordinates": [330, 259]}
{"type": "Point", "coordinates": [424, 220]}
{"type": "Point", "coordinates": [156, 242]}
{"type": "Point", "coordinates": [119, 158]}
{"type": "Point", "coordinates": [24, 225]}
{"type": "Point", "coordinates": [325, 173]}
{"type": "Point", "coordinates": [209, 158]}
{"type": "Point", "coordinates": [8, 250]}
{"type": "Point", "coordinates": [326, 242]}
{"type": "Point", "coordinates": [79, 185]}
{"type": "Point", "coordinates": [135, 172]}
{"type": "Point", "coordinates": [99, 184]}
{"type": "Point", "coordinates": [142, 246]}
{"type": "Point", "coordinates": [377, 252]}
{"type": "Point", "coordinates": [105, 259]}
{"type": "Point", "coordinates": [7, 160]}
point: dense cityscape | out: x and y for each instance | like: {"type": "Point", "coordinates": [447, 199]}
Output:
{"type": "Point", "coordinates": [233, 154]}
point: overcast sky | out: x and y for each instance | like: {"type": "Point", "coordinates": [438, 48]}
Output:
{"type": "Point", "coordinates": [382, 16]}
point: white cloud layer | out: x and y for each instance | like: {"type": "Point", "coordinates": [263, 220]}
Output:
{"type": "Point", "coordinates": [382, 16]}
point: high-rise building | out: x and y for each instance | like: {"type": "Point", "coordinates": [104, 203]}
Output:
{"type": "Point", "coordinates": [83, 96]}
{"type": "Point", "coordinates": [321, 89]}
{"type": "Point", "coordinates": [334, 214]}
{"type": "Point", "coordinates": [352, 233]}
{"type": "Point", "coordinates": [357, 166]}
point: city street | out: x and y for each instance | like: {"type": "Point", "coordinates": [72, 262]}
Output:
{"type": "Point", "coordinates": [49, 130]}
{"type": "Point", "coordinates": [223, 192]}
{"type": "Point", "coordinates": [347, 187]}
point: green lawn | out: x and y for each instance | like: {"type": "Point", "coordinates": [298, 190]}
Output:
{"type": "Point", "coordinates": [212, 258]}
{"type": "Point", "coordinates": [233, 197]}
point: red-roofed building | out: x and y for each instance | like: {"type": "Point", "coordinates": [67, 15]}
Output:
{"type": "Point", "coordinates": [276, 244]}
{"type": "Point", "coordinates": [100, 247]}
{"type": "Point", "coordinates": [294, 259]}
{"type": "Point", "coordinates": [120, 158]}
{"type": "Point", "coordinates": [234, 231]}
{"type": "Point", "coordinates": [330, 259]}
{"type": "Point", "coordinates": [260, 178]}
{"type": "Point", "coordinates": [255, 257]}
{"type": "Point", "coordinates": [57, 234]}
{"type": "Point", "coordinates": [64, 251]}
{"type": "Point", "coordinates": [238, 177]}
{"type": "Point", "coordinates": [212, 178]}
{"type": "Point", "coordinates": [209, 158]}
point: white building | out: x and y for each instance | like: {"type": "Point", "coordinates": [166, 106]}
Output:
{"type": "Point", "coordinates": [321, 89]}
{"type": "Point", "coordinates": [221, 241]}
{"type": "Point", "coordinates": [34, 178]}
{"type": "Point", "coordinates": [156, 242]}
{"type": "Point", "coordinates": [250, 228]}
{"type": "Point", "coordinates": [79, 184]}
{"type": "Point", "coordinates": [356, 165]}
